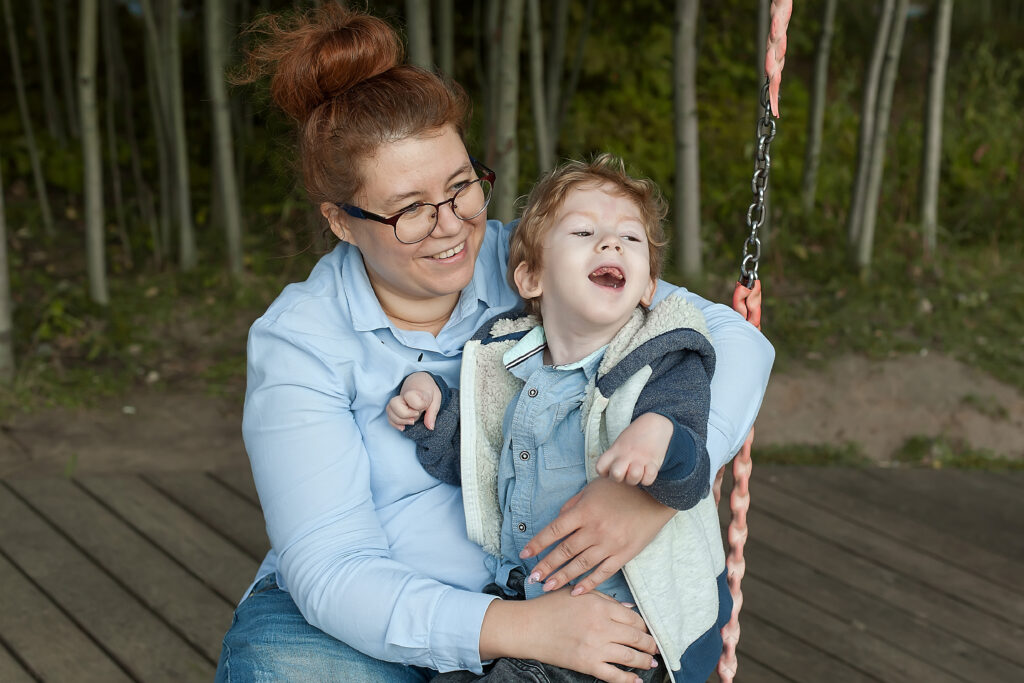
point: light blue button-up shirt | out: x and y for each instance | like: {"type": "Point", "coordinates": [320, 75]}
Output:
{"type": "Point", "coordinates": [543, 465]}
{"type": "Point", "coordinates": [372, 548]}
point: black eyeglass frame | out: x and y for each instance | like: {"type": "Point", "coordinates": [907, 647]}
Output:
{"type": "Point", "coordinates": [356, 212]}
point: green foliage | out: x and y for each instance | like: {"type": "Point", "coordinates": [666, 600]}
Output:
{"type": "Point", "coordinates": [939, 452]}
{"type": "Point", "coordinates": [847, 454]}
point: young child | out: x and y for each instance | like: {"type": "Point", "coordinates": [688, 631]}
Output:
{"type": "Point", "coordinates": [553, 396]}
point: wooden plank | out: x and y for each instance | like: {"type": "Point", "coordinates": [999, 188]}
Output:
{"type": "Point", "coordinates": [218, 507]}
{"type": "Point", "coordinates": [10, 670]}
{"type": "Point", "coordinates": [49, 643]}
{"type": "Point", "coordinates": [239, 480]}
{"type": "Point", "coordinates": [762, 641]}
{"type": "Point", "coordinates": [865, 574]}
{"type": "Point", "coordinates": [216, 561]}
{"type": "Point", "coordinates": [984, 595]}
{"type": "Point", "coordinates": [858, 498]}
{"type": "Point", "coordinates": [197, 613]}
{"type": "Point", "coordinates": [842, 638]}
{"type": "Point", "coordinates": [142, 644]}
{"type": "Point", "coordinates": [972, 513]}
{"type": "Point", "coordinates": [752, 670]}
{"type": "Point", "coordinates": [877, 619]}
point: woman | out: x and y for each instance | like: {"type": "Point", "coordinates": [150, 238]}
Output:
{"type": "Point", "coordinates": [368, 549]}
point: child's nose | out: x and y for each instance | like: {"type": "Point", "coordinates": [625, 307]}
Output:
{"type": "Point", "coordinates": [610, 242]}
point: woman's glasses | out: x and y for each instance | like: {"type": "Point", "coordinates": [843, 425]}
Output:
{"type": "Point", "coordinates": [415, 223]}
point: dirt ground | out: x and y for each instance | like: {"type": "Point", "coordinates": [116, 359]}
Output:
{"type": "Point", "coordinates": [878, 404]}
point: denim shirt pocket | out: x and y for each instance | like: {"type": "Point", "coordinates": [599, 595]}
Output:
{"type": "Point", "coordinates": [563, 445]}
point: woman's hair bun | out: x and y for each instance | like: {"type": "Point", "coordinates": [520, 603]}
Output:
{"type": "Point", "coordinates": [320, 54]}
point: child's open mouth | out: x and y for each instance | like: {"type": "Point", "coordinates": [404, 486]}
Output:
{"type": "Point", "coordinates": [608, 276]}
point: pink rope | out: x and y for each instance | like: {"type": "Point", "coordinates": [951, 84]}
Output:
{"type": "Point", "coordinates": [739, 503]}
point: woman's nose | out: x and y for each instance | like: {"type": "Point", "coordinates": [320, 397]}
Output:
{"type": "Point", "coordinates": [447, 223]}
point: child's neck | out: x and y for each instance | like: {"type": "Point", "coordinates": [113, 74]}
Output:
{"type": "Point", "coordinates": [567, 345]}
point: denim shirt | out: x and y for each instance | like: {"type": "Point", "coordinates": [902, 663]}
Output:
{"type": "Point", "coordinates": [543, 465]}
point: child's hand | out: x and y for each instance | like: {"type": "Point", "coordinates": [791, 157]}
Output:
{"type": "Point", "coordinates": [419, 396]}
{"type": "Point", "coordinates": [637, 455]}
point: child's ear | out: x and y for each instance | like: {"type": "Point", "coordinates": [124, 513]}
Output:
{"type": "Point", "coordinates": [648, 296]}
{"type": "Point", "coordinates": [337, 219]}
{"type": "Point", "coordinates": [527, 281]}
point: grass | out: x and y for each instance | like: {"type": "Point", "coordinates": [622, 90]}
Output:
{"type": "Point", "coordinates": [847, 454]}
{"type": "Point", "coordinates": [940, 452]}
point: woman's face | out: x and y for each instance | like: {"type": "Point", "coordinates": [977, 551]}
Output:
{"type": "Point", "coordinates": [427, 168]}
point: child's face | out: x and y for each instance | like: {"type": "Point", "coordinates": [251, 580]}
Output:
{"type": "Point", "coordinates": [596, 263]}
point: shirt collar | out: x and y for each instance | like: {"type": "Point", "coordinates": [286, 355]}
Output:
{"type": "Point", "coordinates": [526, 355]}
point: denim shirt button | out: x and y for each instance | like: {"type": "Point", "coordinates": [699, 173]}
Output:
{"type": "Point", "coordinates": [532, 393]}
{"type": "Point", "coordinates": [522, 526]}
{"type": "Point", "coordinates": [525, 455]}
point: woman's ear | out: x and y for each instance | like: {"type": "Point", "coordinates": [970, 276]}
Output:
{"type": "Point", "coordinates": [527, 281]}
{"type": "Point", "coordinates": [648, 296]}
{"type": "Point", "coordinates": [337, 219]}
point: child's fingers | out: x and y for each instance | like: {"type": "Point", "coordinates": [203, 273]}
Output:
{"type": "Point", "coordinates": [416, 400]}
{"type": "Point", "coordinates": [650, 475]}
{"type": "Point", "coordinates": [430, 414]}
{"type": "Point", "coordinates": [634, 473]}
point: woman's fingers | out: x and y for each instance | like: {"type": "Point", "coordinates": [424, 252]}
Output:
{"type": "Point", "coordinates": [560, 527]}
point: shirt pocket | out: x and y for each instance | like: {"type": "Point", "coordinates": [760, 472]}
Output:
{"type": "Point", "coordinates": [563, 445]}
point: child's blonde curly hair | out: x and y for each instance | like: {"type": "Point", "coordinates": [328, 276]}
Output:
{"type": "Point", "coordinates": [548, 195]}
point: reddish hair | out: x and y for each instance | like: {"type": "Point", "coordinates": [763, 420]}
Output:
{"type": "Point", "coordinates": [339, 74]}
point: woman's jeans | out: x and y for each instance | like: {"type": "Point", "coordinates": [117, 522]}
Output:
{"type": "Point", "coordinates": [270, 640]}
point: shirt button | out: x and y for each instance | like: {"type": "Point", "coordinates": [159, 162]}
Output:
{"type": "Point", "coordinates": [532, 392]}
{"type": "Point", "coordinates": [525, 455]}
{"type": "Point", "coordinates": [522, 526]}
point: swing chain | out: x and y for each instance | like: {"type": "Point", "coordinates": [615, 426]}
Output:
{"type": "Point", "coordinates": [758, 186]}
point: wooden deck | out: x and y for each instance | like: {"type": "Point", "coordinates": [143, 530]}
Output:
{"type": "Point", "coordinates": [852, 575]}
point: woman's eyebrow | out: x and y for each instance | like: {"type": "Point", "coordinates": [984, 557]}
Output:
{"type": "Point", "coordinates": [399, 198]}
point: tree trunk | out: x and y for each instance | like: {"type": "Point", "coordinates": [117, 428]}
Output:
{"type": "Point", "coordinates": [110, 37]}
{"type": "Point", "coordinates": [544, 162]}
{"type": "Point", "coordinates": [687, 184]}
{"type": "Point", "coordinates": [446, 37]}
{"type": "Point", "coordinates": [159, 97]}
{"type": "Point", "coordinates": [764, 18]}
{"type": "Point", "coordinates": [417, 25]}
{"type": "Point", "coordinates": [933, 127]}
{"type": "Point", "coordinates": [874, 183]}
{"type": "Point", "coordinates": [816, 120]}
{"type": "Point", "coordinates": [507, 162]}
{"type": "Point", "coordinates": [574, 75]}
{"type": "Point", "coordinates": [855, 218]}
{"type": "Point", "coordinates": [26, 123]}
{"type": "Point", "coordinates": [6, 326]}
{"type": "Point", "coordinates": [143, 193]}
{"type": "Point", "coordinates": [556, 66]}
{"type": "Point", "coordinates": [182, 193]}
{"type": "Point", "coordinates": [53, 115]}
{"type": "Point", "coordinates": [66, 79]}
{"type": "Point", "coordinates": [92, 157]}
{"type": "Point", "coordinates": [492, 89]}
{"type": "Point", "coordinates": [225, 171]}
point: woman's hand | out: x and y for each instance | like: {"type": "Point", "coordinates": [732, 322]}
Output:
{"type": "Point", "coordinates": [602, 527]}
{"type": "Point", "coordinates": [589, 634]}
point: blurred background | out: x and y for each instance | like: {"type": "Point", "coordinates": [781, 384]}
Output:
{"type": "Point", "coordinates": [151, 210]}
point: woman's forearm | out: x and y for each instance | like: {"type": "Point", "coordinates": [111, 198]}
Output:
{"type": "Point", "coordinates": [743, 363]}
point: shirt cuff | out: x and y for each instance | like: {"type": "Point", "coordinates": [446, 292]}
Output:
{"type": "Point", "coordinates": [456, 630]}
{"type": "Point", "coordinates": [681, 455]}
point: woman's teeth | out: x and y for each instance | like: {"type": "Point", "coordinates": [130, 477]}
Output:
{"type": "Point", "coordinates": [451, 252]}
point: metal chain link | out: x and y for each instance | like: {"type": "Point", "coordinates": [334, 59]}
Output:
{"type": "Point", "coordinates": [758, 185]}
